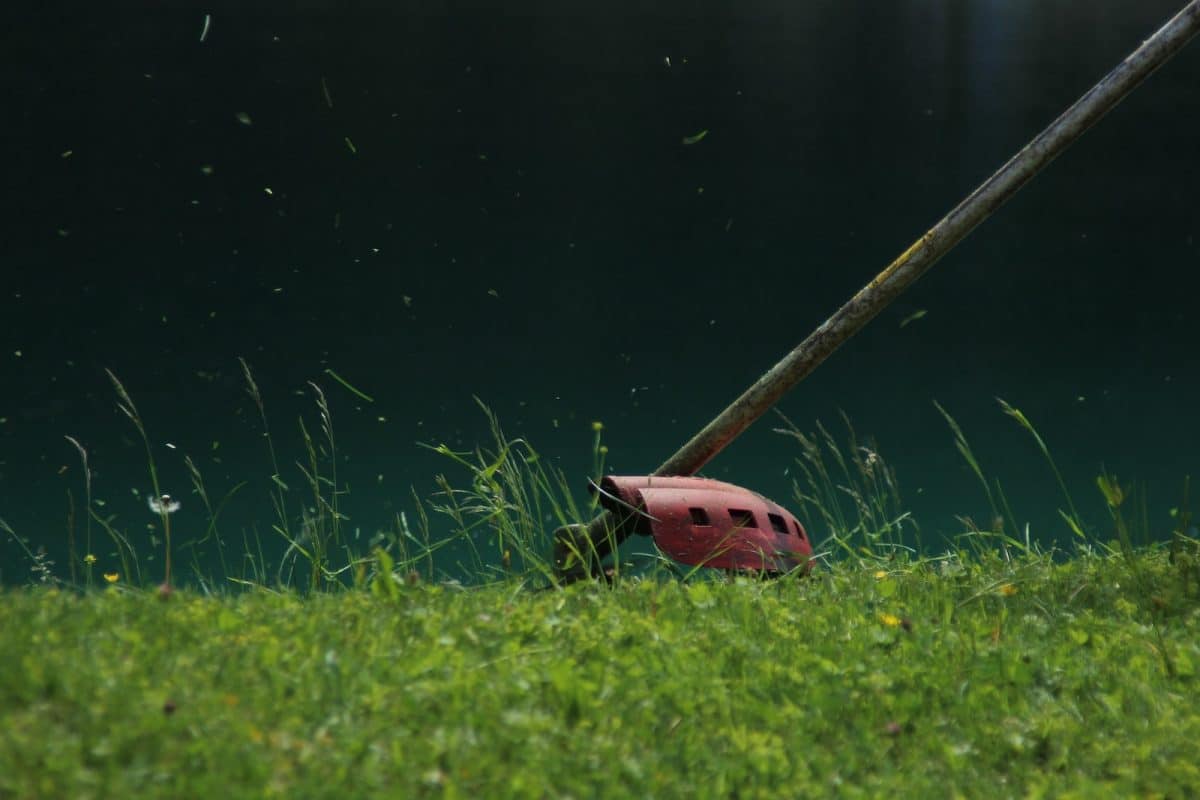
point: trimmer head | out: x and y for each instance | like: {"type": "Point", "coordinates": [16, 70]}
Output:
{"type": "Point", "coordinates": [706, 522]}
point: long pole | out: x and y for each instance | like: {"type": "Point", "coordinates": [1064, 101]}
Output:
{"type": "Point", "coordinates": [908, 267]}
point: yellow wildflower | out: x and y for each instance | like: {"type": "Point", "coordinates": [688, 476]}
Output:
{"type": "Point", "coordinates": [881, 574]}
{"type": "Point", "coordinates": [112, 577]}
{"type": "Point", "coordinates": [891, 620]}
{"type": "Point", "coordinates": [1008, 590]}
{"type": "Point", "coordinates": [89, 559]}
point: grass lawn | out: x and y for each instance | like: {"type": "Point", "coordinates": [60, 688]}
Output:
{"type": "Point", "coordinates": [974, 677]}
{"type": "Point", "coordinates": [992, 670]}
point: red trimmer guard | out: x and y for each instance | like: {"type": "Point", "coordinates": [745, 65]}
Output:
{"type": "Point", "coordinates": [708, 523]}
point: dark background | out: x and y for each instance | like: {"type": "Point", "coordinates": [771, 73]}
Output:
{"type": "Point", "coordinates": [495, 201]}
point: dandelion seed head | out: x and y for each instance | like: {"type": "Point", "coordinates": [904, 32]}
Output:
{"type": "Point", "coordinates": [163, 504]}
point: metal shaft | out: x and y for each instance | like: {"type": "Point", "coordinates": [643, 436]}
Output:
{"type": "Point", "coordinates": [939, 240]}
{"type": "Point", "coordinates": [921, 255]}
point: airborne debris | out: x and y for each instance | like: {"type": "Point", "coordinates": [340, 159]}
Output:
{"type": "Point", "coordinates": [696, 137]}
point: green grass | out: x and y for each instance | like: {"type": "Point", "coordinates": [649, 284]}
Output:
{"type": "Point", "coordinates": [993, 668]}
{"type": "Point", "coordinates": [949, 677]}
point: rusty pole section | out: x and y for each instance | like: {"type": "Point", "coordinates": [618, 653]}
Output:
{"type": "Point", "coordinates": [915, 261]}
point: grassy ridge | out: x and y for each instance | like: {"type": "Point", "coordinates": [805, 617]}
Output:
{"type": "Point", "coordinates": [948, 677]}
{"type": "Point", "coordinates": [993, 669]}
